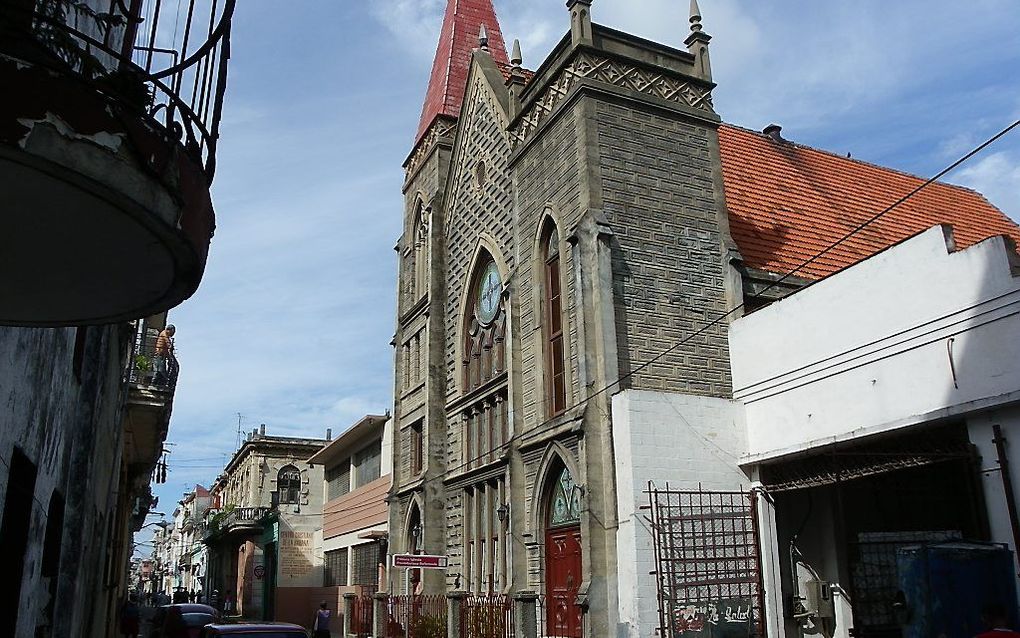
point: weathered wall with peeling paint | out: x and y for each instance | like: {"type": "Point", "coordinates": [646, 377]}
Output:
{"type": "Point", "coordinates": [68, 424]}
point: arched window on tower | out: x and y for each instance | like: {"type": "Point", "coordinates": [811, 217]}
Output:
{"type": "Point", "coordinates": [288, 484]}
{"type": "Point", "coordinates": [418, 278]}
{"type": "Point", "coordinates": [486, 326]}
{"type": "Point", "coordinates": [552, 320]}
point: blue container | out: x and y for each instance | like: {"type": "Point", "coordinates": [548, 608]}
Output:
{"type": "Point", "coordinates": [947, 584]}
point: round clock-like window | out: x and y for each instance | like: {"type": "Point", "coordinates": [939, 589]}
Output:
{"type": "Point", "coordinates": [489, 291]}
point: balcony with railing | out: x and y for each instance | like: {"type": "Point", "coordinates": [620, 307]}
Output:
{"type": "Point", "coordinates": [108, 134]}
{"type": "Point", "coordinates": [235, 520]}
{"type": "Point", "coordinates": [150, 374]}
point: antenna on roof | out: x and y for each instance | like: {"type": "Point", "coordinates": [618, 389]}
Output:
{"type": "Point", "coordinates": [239, 417]}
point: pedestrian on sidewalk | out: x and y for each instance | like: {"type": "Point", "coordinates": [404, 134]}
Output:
{"type": "Point", "coordinates": [320, 626]}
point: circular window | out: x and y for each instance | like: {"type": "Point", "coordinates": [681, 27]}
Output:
{"type": "Point", "coordinates": [480, 174]}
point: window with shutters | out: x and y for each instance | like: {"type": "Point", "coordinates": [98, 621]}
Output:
{"type": "Point", "coordinates": [417, 437]}
{"type": "Point", "coordinates": [288, 484]}
{"type": "Point", "coordinates": [368, 464]}
{"type": "Point", "coordinates": [365, 564]}
{"type": "Point", "coordinates": [334, 568]}
{"type": "Point", "coordinates": [338, 480]}
{"type": "Point", "coordinates": [555, 368]}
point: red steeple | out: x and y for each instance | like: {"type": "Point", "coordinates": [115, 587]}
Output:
{"type": "Point", "coordinates": [459, 37]}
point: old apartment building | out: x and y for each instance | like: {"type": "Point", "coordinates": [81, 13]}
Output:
{"type": "Point", "coordinates": [572, 236]}
{"type": "Point", "coordinates": [264, 530]}
{"type": "Point", "coordinates": [106, 165]}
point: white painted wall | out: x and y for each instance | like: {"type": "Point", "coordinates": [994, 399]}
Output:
{"type": "Point", "coordinates": [979, 429]}
{"type": "Point", "coordinates": [867, 350]}
{"type": "Point", "coordinates": [681, 439]}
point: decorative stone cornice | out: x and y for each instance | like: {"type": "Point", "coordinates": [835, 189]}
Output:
{"type": "Point", "coordinates": [591, 65]}
{"type": "Point", "coordinates": [440, 129]}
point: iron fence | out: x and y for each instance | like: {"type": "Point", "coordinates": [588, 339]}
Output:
{"type": "Point", "coordinates": [361, 616]}
{"type": "Point", "coordinates": [166, 60]}
{"type": "Point", "coordinates": [559, 618]}
{"type": "Point", "coordinates": [421, 616]}
{"type": "Point", "coordinates": [708, 567]}
{"type": "Point", "coordinates": [487, 616]}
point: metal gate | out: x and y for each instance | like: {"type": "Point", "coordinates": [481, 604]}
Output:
{"type": "Point", "coordinates": [708, 567]}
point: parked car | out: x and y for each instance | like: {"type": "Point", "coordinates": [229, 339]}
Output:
{"type": "Point", "coordinates": [184, 620]}
{"type": "Point", "coordinates": [255, 630]}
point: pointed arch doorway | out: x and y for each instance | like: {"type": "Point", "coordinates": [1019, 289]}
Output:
{"type": "Point", "coordinates": [563, 557]}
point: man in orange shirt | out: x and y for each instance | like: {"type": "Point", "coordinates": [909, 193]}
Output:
{"type": "Point", "coordinates": [164, 350]}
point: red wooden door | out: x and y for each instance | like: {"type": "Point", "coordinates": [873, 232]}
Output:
{"type": "Point", "coordinates": [563, 578]}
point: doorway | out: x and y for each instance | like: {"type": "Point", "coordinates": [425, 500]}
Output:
{"type": "Point", "coordinates": [563, 565]}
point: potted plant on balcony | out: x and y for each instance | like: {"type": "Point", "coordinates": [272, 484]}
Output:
{"type": "Point", "coordinates": [143, 368]}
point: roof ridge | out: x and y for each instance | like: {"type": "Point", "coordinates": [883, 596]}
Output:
{"type": "Point", "coordinates": [858, 161]}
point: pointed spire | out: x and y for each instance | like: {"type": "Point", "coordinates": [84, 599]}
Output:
{"type": "Point", "coordinates": [462, 21]}
{"type": "Point", "coordinates": [515, 83]}
{"type": "Point", "coordinates": [695, 16]}
{"type": "Point", "coordinates": [697, 44]}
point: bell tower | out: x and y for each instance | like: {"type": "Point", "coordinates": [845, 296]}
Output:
{"type": "Point", "coordinates": [420, 438]}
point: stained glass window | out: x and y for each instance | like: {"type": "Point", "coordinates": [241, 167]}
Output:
{"type": "Point", "coordinates": [566, 501]}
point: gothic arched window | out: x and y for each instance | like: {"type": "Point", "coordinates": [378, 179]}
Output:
{"type": "Point", "coordinates": [418, 278]}
{"type": "Point", "coordinates": [565, 501]}
{"type": "Point", "coordinates": [552, 320]}
{"type": "Point", "coordinates": [486, 326]}
{"type": "Point", "coordinates": [288, 484]}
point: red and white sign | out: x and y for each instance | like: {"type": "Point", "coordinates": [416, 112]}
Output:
{"type": "Point", "coordinates": [420, 561]}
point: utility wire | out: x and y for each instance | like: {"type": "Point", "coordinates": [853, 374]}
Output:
{"type": "Point", "coordinates": [504, 447]}
{"type": "Point", "coordinates": [731, 311]}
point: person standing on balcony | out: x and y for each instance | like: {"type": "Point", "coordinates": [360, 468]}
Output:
{"type": "Point", "coordinates": [164, 350]}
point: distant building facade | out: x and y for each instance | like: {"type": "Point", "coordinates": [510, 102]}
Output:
{"type": "Point", "coordinates": [264, 528]}
{"type": "Point", "coordinates": [357, 468]}
{"type": "Point", "coordinates": [575, 241]}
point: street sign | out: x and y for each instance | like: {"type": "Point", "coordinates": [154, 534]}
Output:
{"type": "Point", "coordinates": [420, 561]}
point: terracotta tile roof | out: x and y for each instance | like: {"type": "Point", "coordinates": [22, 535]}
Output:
{"type": "Point", "coordinates": [504, 68]}
{"type": "Point", "coordinates": [787, 202]}
{"type": "Point", "coordinates": [457, 39]}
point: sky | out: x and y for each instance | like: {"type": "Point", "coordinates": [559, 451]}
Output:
{"type": "Point", "coordinates": [292, 323]}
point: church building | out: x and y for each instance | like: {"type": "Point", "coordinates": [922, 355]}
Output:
{"type": "Point", "coordinates": [575, 240]}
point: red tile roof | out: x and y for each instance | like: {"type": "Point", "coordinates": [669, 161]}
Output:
{"type": "Point", "coordinates": [787, 202]}
{"type": "Point", "coordinates": [458, 38]}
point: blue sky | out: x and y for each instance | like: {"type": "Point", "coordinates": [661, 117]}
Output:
{"type": "Point", "coordinates": [292, 323]}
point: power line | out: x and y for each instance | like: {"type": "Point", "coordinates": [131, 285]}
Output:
{"type": "Point", "coordinates": [956, 164]}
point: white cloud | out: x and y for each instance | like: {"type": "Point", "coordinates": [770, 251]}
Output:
{"type": "Point", "coordinates": [997, 176]}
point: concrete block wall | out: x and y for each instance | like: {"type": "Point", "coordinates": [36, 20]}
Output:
{"type": "Point", "coordinates": [546, 176]}
{"type": "Point", "coordinates": [658, 193]}
{"type": "Point", "coordinates": [685, 440]}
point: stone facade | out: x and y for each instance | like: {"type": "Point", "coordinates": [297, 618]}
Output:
{"type": "Point", "coordinates": [612, 143]}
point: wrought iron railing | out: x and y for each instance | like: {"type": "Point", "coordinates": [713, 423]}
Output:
{"type": "Point", "coordinates": [487, 616]}
{"type": "Point", "coordinates": [152, 364]}
{"type": "Point", "coordinates": [416, 616]}
{"type": "Point", "coordinates": [168, 60]}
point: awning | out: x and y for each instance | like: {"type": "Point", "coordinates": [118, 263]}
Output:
{"type": "Point", "coordinates": [918, 447]}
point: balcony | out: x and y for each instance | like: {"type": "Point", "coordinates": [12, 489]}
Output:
{"type": "Point", "coordinates": [239, 520]}
{"type": "Point", "coordinates": [151, 379]}
{"type": "Point", "coordinates": [108, 132]}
